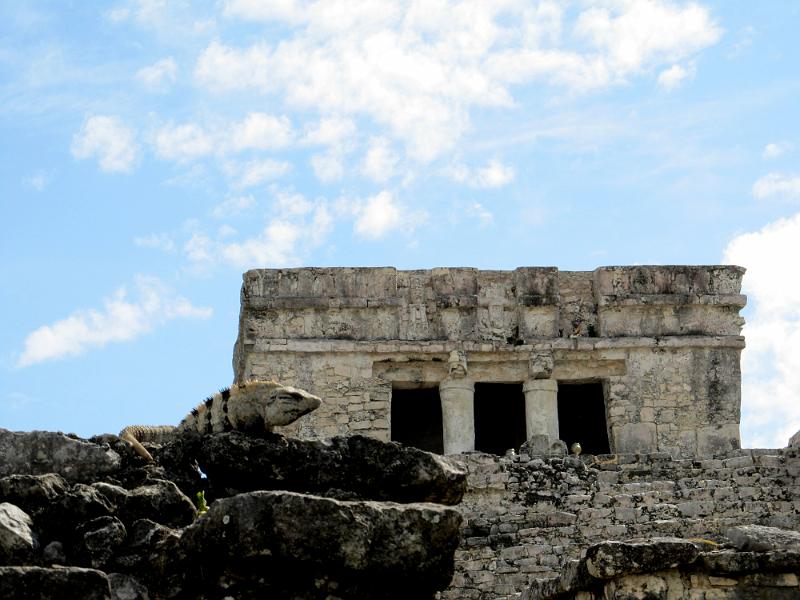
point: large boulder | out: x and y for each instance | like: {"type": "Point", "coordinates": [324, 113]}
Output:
{"type": "Point", "coordinates": [39, 583]}
{"type": "Point", "coordinates": [152, 553]}
{"type": "Point", "coordinates": [612, 559]}
{"type": "Point", "coordinates": [759, 538]}
{"type": "Point", "coordinates": [313, 547]}
{"type": "Point", "coordinates": [17, 539]}
{"type": "Point", "coordinates": [32, 493]}
{"type": "Point", "coordinates": [81, 503]}
{"type": "Point", "coordinates": [97, 540]}
{"type": "Point", "coordinates": [355, 467]}
{"type": "Point", "coordinates": [160, 501]}
{"type": "Point", "coordinates": [41, 452]}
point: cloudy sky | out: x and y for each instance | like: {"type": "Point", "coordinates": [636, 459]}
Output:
{"type": "Point", "coordinates": [153, 150]}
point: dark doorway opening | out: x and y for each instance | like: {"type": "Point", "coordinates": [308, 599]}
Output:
{"type": "Point", "coordinates": [417, 418]}
{"type": "Point", "coordinates": [582, 416]}
{"type": "Point", "coordinates": [499, 417]}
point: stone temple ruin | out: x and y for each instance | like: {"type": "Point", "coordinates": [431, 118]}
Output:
{"type": "Point", "coordinates": [621, 359]}
{"type": "Point", "coordinates": [503, 370]}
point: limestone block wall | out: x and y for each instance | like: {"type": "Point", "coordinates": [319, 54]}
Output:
{"type": "Point", "coordinates": [680, 399]}
{"type": "Point", "coordinates": [663, 341]}
{"type": "Point", "coordinates": [526, 517]}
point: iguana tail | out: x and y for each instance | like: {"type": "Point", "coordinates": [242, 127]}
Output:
{"type": "Point", "coordinates": [136, 434]}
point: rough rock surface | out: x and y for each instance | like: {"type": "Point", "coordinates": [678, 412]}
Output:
{"type": "Point", "coordinates": [670, 568]}
{"type": "Point", "coordinates": [125, 528]}
{"type": "Point", "coordinates": [351, 468]}
{"type": "Point", "coordinates": [315, 546]}
{"type": "Point", "coordinates": [759, 538]}
{"type": "Point", "coordinates": [30, 492]}
{"type": "Point", "coordinates": [160, 500]}
{"type": "Point", "coordinates": [17, 540]}
{"type": "Point", "coordinates": [611, 559]}
{"type": "Point", "coordinates": [42, 452]}
{"type": "Point", "coordinates": [38, 583]}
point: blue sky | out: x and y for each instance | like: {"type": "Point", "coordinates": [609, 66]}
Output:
{"type": "Point", "coordinates": [152, 151]}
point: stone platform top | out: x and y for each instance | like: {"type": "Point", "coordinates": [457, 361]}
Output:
{"type": "Point", "coordinates": [372, 303]}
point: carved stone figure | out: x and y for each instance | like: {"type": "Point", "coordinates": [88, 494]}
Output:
{"type": "Point", "coordinates": [541, 365]}
{"type": "Point", "coordinates": [457, 364]}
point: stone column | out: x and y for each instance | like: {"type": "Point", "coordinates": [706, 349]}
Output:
{"type": "Point", "coordinates": [458, 415]}
{"type": "Point", "coordinates": [541, 407]}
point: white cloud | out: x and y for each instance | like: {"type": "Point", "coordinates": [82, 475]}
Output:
{"type": "Point", "coordinates": [330, 131]}
{"type": "Point", "coordinates": [770, 374]}
{"type": "Point", "coordinates": [260, 131]}
{"type": "Point", "coordinates": [292, 203]}
{"type": "Point", "coordinates": [379, 215]}
{"type": "Point", "coordinates": [274, 247]}
{"type": "Point", "coordinates": [671, 78]}
{"type": "Point", "coordinates": [382, 214]}
{"type": "Point", "coordinates": [777, 184]}
{"type": "Point", "coordinates": [296, 225]}
{"type": "Point", "coordinates": [159, 75]}
{"type": "Point", "coordinates": [119, 320]}
{"type": "Point", "coordinates": [320, 226]}
{"type": "Point", "coordinates": [109, 140]}
{"type": "Point", "coordinates": [624, 38]}
{"type": "Point", "coordinates": [493, 174]}
{"type": "Point", "coordinates": [328, 167]}
{"type": "Point", "coordinates": [257, 171]}
{"type": "Point", "coordinates": [158, 241]}
{"type": "Point", "coordinates": [233, 206]}
{"type": "Point", "coordinates": [417, 69]}
{"type": "Point", "coordinates": [183, 143]}
{"type": "Point", "coordinates": [200, 248]}
{"type": "Point", "coordinates": [776, 149]}
{"type": "Point", "coordinates": [226, 231]}
{"type": "Point", "coordinates": [222, 68]}
{"type": "Point", "coordinates": [633, 34]}
{"type": "Point", "coordinates": [170, 19]}
{"type": "Point", "coordinates": [257, 131]}
{"type": "Point", "coordinates": [257, 10]}
{"type": "Point", "coordinates": [380, 161]}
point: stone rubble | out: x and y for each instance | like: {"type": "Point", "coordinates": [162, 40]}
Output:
{"type": "Point", "coordinates": [366, 519]}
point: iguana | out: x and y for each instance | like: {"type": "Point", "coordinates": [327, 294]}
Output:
{"type": "Point", "coordinates": [252, 406]}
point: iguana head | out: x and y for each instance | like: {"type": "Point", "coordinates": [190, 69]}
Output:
{"type": "Point", "coordinates": [286, 404]}
{"type": "Point", "coordinates": [265, 404]}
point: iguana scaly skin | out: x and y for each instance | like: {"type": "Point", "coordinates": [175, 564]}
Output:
{"type": "Point", "coordinates": [252, 406]}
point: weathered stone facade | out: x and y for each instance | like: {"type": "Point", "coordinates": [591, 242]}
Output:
{"type": "Point", "coordinates": [660, 344]}
{"type": "Point", "coordinates": [527, 517]}
{"type": "Point", "coordinates": [653, 351]}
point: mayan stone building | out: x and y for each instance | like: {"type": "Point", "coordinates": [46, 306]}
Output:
{"type": "Point", "coordinates": [620, 359]}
